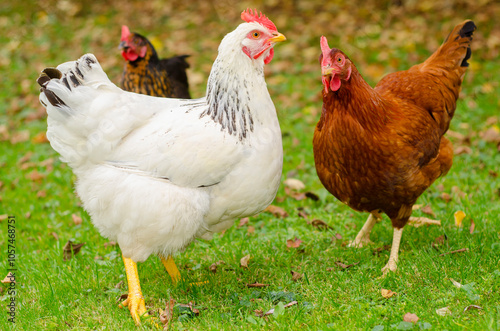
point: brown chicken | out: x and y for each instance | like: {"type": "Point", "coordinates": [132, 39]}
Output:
{"type": "Point", "coordinates": [378, 150]}
{"type": "Point", "coordinates": [145, 73]}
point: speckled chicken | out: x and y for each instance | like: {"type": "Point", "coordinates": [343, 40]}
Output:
{"type": "Point", "coordinates": [145, 73]}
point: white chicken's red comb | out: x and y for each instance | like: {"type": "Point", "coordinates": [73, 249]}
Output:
{"type": "Point", "coordinates": [325, 49]}
{"type": "Point", "coordinates": [250, 16]}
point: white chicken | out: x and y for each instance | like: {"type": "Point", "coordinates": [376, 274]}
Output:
{"type": "Point", "coordinates": [156, 173]}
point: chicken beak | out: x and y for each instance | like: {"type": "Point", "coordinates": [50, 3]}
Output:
{"type": "Point", "coordinates": [123, 45]}
{"type": "Point", "coordinates": [277, 37]}
{"type": "Point", "coordinates": [326, 71]}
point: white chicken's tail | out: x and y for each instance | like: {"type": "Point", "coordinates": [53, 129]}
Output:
{"type": "Point", "coordinates": [73, 93]}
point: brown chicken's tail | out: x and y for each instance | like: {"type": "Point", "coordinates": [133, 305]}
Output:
{"type": "Point", "coordinates": [455, 50]}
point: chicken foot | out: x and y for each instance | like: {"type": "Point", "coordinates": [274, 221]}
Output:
{"type": "Point", "coordinates": [393, 257]}
{"type": "Point", "coordinates": [363, 237]}
{"type": "Point", "coordinates": [135, 300]}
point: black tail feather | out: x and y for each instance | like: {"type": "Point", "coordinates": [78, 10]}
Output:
{"type": "Point", "coordinates": [466, 32]}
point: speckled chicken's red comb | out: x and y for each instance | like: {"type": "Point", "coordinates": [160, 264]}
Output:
{"type": "Point", "coordinates": [250, 15]}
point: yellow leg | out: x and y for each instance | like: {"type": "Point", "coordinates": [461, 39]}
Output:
{"type": "Point", "coordinates": [135, 300]}
{"type": "Point", "coordinates": [393, 258]}
{"type": "Point", "coordinates": [363, 236]}
{"type": "Point", "coordinates": [171, 268]}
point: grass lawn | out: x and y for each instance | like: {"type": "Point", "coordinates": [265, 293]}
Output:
{"type": "Point", "coordinates": [339, 288]}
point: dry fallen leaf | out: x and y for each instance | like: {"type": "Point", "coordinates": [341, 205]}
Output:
{"type": "Point", "coordinates": [53, 234]}
{"type": "Point", "coordinates": [443, 311]}
{"type": "Point", "coordinates": [168, 313]}
{"type": "Point", "coordinates": [387, 293]}
{"type": "Point", "coordinates": [345, 266]}
{"type": "Point", "coordinates": [256, 284]}
{"type": "Point", "coordinates": [296, 276]}
{"type": "Point", "coordinates": [4, 217]}
{"type": "Point", "coordinates": [251, 229]}
{"type": "Point", "coordinates": [459, 217]}
{"type": "Point", "coordinates": [294, 184]}
{"type": "Point", "coordinates": [243, 221]}
{"type": "Point", "coordinates": [40, 138]}
{"type": "Point", "coordinates": [244, 261]}
{"type": "Point", "coordinates": [35, 176]}
{"type": "Point", "coordinates": [25, 158]}
{"type": "Point", "coordinates": [10, 278]}
{"type": "Point", "coordinates": [409, 317]}
{"type": "Point", "coordinates": [455, 283]}
{"type": "Point", "coordinates": [213, 267]}
{"type": "Point", "coordinates": [319, 224]}
{"type": "Point", "coordinates": [20, 136]}
{"type": "Point", "coordinates": [472, 306]}
{"type": "Point", "coordinates": [76, 219]}
{"type": "Point", "coordinates": [109, 243]}
{"type": "Point", "coordinates": [271, 311]}
{"type": "Point", "coordinates": [446, 197]}
{"type": "Point", "coordinates": [453, 252]}
{"type": "Point", "coordinates": [71, 249]}
{"type": "Point", "coordinates": [276, 211]}
{"type": "Point", "coordinates": [120, 284]}
{"type": "Point", "coordinates": [293, 243]}
{"type": "Point", "coordinates": [472, 226]}
{"type": "Point", "coordinates": [428, 210]}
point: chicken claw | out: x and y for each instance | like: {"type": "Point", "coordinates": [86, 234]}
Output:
{"type": "Point", "coordinates": [135, 300]}
{"type": "Point", "coordinates": [171, 268]}
{"type": "Point", "coordinates": [393, 257]}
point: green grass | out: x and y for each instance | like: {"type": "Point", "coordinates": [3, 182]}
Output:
{"type": "Point", "coordinates": [80, 294]}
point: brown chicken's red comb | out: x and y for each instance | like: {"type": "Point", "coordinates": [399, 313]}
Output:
{"type": "Point", "coordinates": [250, 16]}
{"type": "Point", "coordinates": [325, 49]}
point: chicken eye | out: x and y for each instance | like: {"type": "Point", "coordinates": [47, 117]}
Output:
{"type": "Point", "coordinates": [339, 59]}
{"type": "Point", "coordinates": [256, 34]}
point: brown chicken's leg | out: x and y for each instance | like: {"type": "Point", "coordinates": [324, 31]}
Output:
{"type": "Point", "coordinates": [393, 258]}
{"type": "Point", "coordinates": [363, 236]}
{"type": "Point", "coordinates": [171, 268]}
{"type": "Point", "coordinates": [135, 300]}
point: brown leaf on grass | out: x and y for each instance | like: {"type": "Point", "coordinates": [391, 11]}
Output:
{"type": "Point", "coordinates": [462, 150]}
{"type": "Point", "coordinates": [70, 249]}
{"type": "Point", "coordinates": [20, 136]}
{"type": "Point", "coordinates": [319, 224]}
{"type": "Point", "coordinates": [296, 275]}
{"type": "Point", "coordinates": [4, 133]}
{"type": "Point", "coordinates": [428, 210]}
{"type": "Point", "coordinates": [379, 250]}
{"type": "Point", "coordinates": [472, 307]}
{"type": "Point", "coordinates": [492, 135]}
{"type": "Point", "coordinates": [443, 311]}
{"type": "Point", "coordinates": [3, 217]}
{"type": "Point", "coordinates": [191, 305]}
{"type": "Point", "coordinates": [271, 311]}
{"type": "Point", "coordinates": [258, 312]}
{"type": "Point", "coordinates": [458, 192]}
{"type": "Point", "coordinates": [276, 211]}
{"type": "Point", "coordinates": [409, 317]}
{"type": "Point", "coordinates": [119, 284]}
{"type": "Point", "coordinates": [294, 194]}
{"type": "Point", "coordinates": [244, 261]}
{"type": "Point", "coordinates": [243, 221]}
{"type": "Point", "coordinates": [41, 194]}
{"type": "Point", "coordinates": [167, 315]}
{"type": "Point", "coordinates": [256, 284]}
{"type": "Point", "coordinates": [35, 176]}
{"type": "Point", "coordinates": [40, 138]}
{"type": "Point", "coordinates": [294, 184]}
{"type": "Point", "coordinates": [453, 252]}
{"type": "Point", "coordinates": [293, 243]}
{"type": "Point", "coordinates": [492, 173]}
{"type": "Point", "coordinates": [439, 241]}
{"type": "Point", "coordinates": [446, 197]}
{"type": "Point", "coordinates": [387, 293]}
{"type": "Point", "coordinates": [109, 243]}
{"type": "Point", "coordinates": [25, 158]}
{"type": "Point", "coordinates": [313, 196]}
{"type": "Point", "coordinates": [213, 266]}
{"type": "Point", "coordinates": [302, 214]}
{"type": "Point", "coordinates": [345, 266]}
{"type": "Point", "coordinates": [53, 234]}
{"type": "Point", "coordinates": [472, 226]}
{"type": "Point", "coordinates": [337, 236]}
{"type": "Point", "coordinates": [10, 278]}
{"type": "Point", "coordinates": [250, 229]}
{"type": "Point", "coordinates": [77, 220]}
